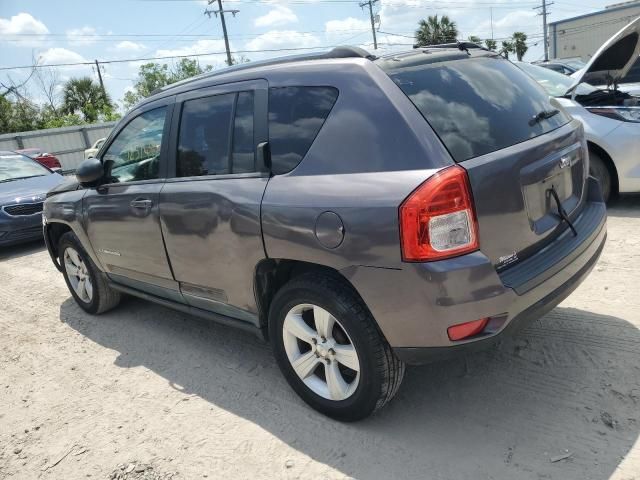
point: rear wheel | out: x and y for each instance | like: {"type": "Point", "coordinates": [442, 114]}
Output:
{"type": "Point", "coordinates": [598, 169]}
{"type": "Point", "coordinates": [86, 282]}
{"type": "Point", "coordinates": [328, 348]}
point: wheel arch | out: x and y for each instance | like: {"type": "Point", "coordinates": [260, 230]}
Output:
{"type": "Point", "coordinates": [608, 161]}
{"type": "Point", "coordinates": [272, 274]}
{"type": "Point", "coordinates": [53, 231]}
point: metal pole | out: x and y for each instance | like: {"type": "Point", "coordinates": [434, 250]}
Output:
{"type": "Point", "coordinates": [544, 29]}
{"type": "Point", "coordinates": [224, 32]}
{"type": "Point", "coordinates": [104, 92]}
{"type": "Point", "coordinates": [370, 3]}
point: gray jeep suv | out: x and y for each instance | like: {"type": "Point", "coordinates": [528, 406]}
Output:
{"type": "Point", "coordinates": [360, 213]}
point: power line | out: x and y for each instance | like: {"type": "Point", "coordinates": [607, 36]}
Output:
{"type": "Point", "coordinates": [168, 57]}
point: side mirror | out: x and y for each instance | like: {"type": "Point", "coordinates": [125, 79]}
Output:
{"type": "Point", "coordinates": [89, 172]}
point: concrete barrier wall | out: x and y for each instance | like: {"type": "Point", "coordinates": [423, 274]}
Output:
{"type": "Point", "coordinates": [66, 143]}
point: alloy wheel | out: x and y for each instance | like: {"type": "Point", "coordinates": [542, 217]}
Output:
{"type": "Point", "coordinates": [321, 352]}
{"type": "Point", "coordinates": [78, 275]}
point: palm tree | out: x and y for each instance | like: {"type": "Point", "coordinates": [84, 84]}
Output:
{"type": "Point", "coordinates": [433, 31]}
{"type": "Point", "coordinates": [491, 44]}
{"type": "Point", "coordinates": [85, 96]}
{"type": "Point", "coordinates": [519, 41]}
{"type": "Point", "coordinates": [507, 47]}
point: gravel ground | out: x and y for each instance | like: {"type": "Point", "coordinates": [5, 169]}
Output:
{"type": "Point", "coordinates": [147, 393]}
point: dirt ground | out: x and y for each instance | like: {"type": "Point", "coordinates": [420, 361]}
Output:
{"type": "Point", "coordinates": [145, 392]}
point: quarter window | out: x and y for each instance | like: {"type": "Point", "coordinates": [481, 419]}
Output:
{"type": "Point", "coordinates": [296, 115]}
{"type": "Point", "coordinates": [135, 152]}
{"type": "Point", "coordinates": [214, 140]}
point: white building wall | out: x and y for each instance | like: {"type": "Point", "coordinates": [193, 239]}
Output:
{"type": "Point", "coordinates": [582, 36]}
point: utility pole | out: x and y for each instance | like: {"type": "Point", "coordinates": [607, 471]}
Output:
{"type": "Point", "coordinates": [104, 93]}
{"type": "Point", "coordinates": [544, 14]}
{"type": "Point", "coordinates": [371, 3]}
{"type": "Point", "coordinates": [491, 10]}
{"type": "Point", "coordinates": [221, 11]}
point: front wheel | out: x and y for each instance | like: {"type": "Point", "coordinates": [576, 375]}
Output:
{"type": "Point", "coordinates": [328, 347]}
{"type": "Point", "coordinates": [86, 283]}
{"type": "Point", "coordinates": [600, 172]}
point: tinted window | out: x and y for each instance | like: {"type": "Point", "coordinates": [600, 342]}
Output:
{"type": "Point", "coordinates": [205, 136]}
{"type": "Point", "coordinates": [243, 144]}
{"type": "Point", "coordinates": [296, 115]}
{"type": "Point", "coordinates": [203, 145]}
{"type": "Point", "coordinates": [135, 152]}
{"type": "Point", "coordinates": [476, 105]}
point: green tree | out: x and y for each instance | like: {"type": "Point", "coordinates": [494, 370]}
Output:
{"type": "Point", "coordinates": [152, 76]}
{"type": "Point", "coordinates": [519, 41]}
{"type": "Point", "coordinates": [83, 95]}
{"type": "Point", "coordinates": [507, 48]}
{"type": "Point", "coordinates": [491, 44]}
{"type": "Point", "coordinates": [433, 31]}
{"type": "Point", "coordinates": [474, 39]}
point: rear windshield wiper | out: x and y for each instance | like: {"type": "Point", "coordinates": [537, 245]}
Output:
{"type": "Point", "coordinates": [562, 213]}
{"type": "Point", "coordinates": [543, 115]}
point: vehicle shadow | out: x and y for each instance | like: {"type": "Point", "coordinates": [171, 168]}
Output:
{"type": "Point", "coordinates": [21, 249]}
{"type": "Point", "coordinates": [569, 383]}
{"type": "Point", "coordinates": [625, 206]}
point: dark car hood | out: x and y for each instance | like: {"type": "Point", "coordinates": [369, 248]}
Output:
{"type": "Point", "coordinates": [28, 190]}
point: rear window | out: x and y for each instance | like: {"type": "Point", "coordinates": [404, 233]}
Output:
{"type": "Point", "coordinates": [476, 105]}
{"type": "Point", "coordinates": [296, 115]}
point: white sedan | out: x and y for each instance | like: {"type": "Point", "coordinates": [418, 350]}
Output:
{"type": "Point", "coordinates": [611, 117]}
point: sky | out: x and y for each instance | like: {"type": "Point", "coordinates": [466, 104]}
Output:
{"type": "Point", "coordinates": [75, 31]}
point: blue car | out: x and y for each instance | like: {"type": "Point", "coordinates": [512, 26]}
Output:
{"type": "Point", "coordinates": [24, 184]}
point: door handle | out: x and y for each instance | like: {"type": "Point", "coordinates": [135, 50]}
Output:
{"type": "Point", "coordinates": [144, 204]}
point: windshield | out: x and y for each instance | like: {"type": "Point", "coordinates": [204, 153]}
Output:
{"type": "Point", "coordinates": [575, 64]}
{"type": "Point", "coordinates": [556, 84]}
{"type": "Point", "coordinates": [16, 166]}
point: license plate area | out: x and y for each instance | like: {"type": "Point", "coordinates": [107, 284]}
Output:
{"type": "Point", "coordinates": [562, 171]}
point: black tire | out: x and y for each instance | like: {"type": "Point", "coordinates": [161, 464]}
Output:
{"type": "Point", "coordinates": [381, 372]}
{"type": "Point", "coordinates": [103, 297]}
{"type": "Point", "coordinates": [599, 170]}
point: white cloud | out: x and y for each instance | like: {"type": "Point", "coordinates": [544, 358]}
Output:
{"type": "Point", "coordinates": [129, 46]}
{"type": "Point", "coordinates": [282, 39]}
{"type": "Point", "coordinates": [81, 36]}
{"type": "Point", "coordinates": [60, 55]}
{"type": "Point", "coordinates": [280, 15]}
{"type": "Point", "coordinates": [347, 25]}
{"type": "Point", "coordinates": [23, 24]}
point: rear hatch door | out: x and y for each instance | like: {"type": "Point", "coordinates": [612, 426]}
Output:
{"type": "Point", "coordinates": [524, 155]}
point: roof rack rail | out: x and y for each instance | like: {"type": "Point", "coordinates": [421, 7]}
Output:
{"type": "Point", "coordinates": [336, 52]}
{"type": "Point", "coordinates": [459, 45]}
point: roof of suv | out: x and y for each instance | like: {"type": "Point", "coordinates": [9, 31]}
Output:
{"type": "Point", "coordinates": [436, 52]}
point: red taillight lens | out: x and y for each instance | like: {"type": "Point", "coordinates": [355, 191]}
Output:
{"type": "Point", "coordinates": [438, 220]}
{"type": "Point", "coordinates": [466, 330]}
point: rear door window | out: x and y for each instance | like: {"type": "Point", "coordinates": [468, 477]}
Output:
{"type": "Point", "coordinates": [476, 105]}
{"type": "Point", "coordinates": [217, 136]}
{"type": "Point", "coordinates": [296, 115]}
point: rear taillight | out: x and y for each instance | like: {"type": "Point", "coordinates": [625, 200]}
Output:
{"type": "Point", "coordinates": [438, 220]}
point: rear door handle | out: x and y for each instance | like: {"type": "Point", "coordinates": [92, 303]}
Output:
{"type": "Point", "coordinates": [144, 204]}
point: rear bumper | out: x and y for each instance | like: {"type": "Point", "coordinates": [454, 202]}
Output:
{"type": "Point", "coordinates": [415, 306]}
